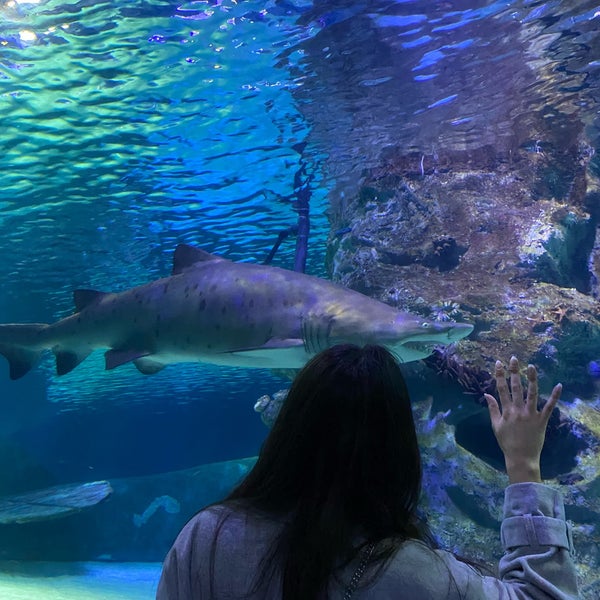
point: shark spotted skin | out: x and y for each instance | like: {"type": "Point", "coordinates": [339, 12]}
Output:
{"type": "Point", "coordinates": [217, 311]}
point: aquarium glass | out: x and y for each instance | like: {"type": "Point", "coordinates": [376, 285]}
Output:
{"type": "Point", "coordinates": [412, 136]}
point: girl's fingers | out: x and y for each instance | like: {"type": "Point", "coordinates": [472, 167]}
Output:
{"type": "Point", "coordinates": [515, 380]}
{"type": "Point", "coordinates": [502, 386]}
{"type": "Point", "coordinates": [508, 399]}
{"type": "Point", "coordinates": [493, 407]}
{"type": "Point", "coordinates": [554, 397]}
{"type": "Point", "coordinates": [532, 388]}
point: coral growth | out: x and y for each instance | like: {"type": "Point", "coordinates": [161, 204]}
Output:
{"type": "Point", "coordinates": [449, 366]}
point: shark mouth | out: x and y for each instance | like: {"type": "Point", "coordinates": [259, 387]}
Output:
{"type": "Point", "coordinates": [425, 348]}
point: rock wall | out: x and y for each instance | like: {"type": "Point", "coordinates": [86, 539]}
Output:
{"type": "Point", "coordinates": [491, 239]}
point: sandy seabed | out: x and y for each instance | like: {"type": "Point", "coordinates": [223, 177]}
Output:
{"type": "Point", "coordinates": [78, 581]}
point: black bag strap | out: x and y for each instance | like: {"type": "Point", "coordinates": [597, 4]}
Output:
{"type": "Point", "coordinates": [351, 587]}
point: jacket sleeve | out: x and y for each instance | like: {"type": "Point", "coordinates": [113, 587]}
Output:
{"type": "Point", "coordinates": [537, 563]}
{"type": "Point", "coordinates": [537, 542]}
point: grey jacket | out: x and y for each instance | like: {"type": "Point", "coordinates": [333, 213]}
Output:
{"type": "Point", "coordinates": [536, 564]}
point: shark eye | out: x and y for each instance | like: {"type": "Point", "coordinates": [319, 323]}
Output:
{"type": "Point", "coordinates": [425, 325]}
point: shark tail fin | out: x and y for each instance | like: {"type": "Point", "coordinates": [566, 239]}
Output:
{"type": "Point", "coordinates": [21, 345]}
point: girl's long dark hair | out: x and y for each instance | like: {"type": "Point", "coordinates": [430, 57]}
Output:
{"type": "Point", "coordinates": [341, 461]}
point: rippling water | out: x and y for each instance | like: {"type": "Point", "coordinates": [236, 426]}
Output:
{"type": "Point", "coordinates": [129, 127]}
{"type": "Point", "coordinates": [435, 77]}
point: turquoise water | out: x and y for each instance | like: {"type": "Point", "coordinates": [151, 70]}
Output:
{"type": "Point", "coordinates": [129, 127]}
{"type": "Point", "coordinates": [84, 581]}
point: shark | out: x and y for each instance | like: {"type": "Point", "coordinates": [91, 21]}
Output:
{"type": "Point", "coordinates": [214, 310]}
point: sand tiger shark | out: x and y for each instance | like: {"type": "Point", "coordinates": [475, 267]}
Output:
{"type": "Point", "coordinates": [218, 311]}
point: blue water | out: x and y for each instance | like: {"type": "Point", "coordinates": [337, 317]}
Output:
{"type": "Point", "coordinates": [129, 127]}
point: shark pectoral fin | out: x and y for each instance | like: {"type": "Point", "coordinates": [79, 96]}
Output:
{"type": "Point", "coordinates": [50, 503]}
{"type": "Point", "coordinates": [119, 356]}
{"type": "Point", "coordinates": [147, 366]}
{"type": "Point", "coordinates": [278, 343]}
{"type": "Point", "coordinates": [275, 352]}
{"type": "Point", "coordinates": [67, 360]}
{"type": "Point", "coordinates": [272, 344]}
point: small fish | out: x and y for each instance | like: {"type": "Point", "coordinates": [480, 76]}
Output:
{"type": "Point", "coordinates": [593, 369]}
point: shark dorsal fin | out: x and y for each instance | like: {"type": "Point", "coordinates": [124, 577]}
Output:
{"type": "Point", "coordinates": [186, 256]}
{"type": "Point", "coordinates": [84, 298]}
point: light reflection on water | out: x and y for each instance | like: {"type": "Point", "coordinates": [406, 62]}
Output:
{"type": "Point", "coordinates": [140, 124]}
{"type": "Point", "coordinates": [450, 76]}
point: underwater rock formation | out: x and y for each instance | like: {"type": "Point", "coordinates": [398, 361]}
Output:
{"type": "Point", "coordinates": [465, 242]}
{"type": "Point", "coordinates": [51, 503]}
{"type": "Point", "coordinates": [269, 406]}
